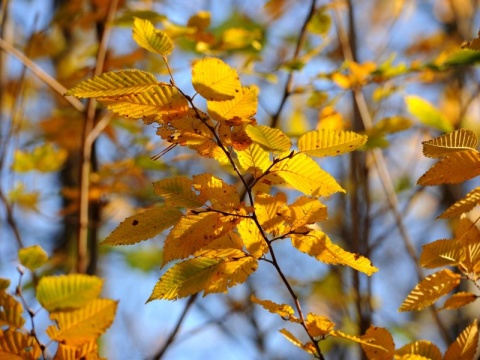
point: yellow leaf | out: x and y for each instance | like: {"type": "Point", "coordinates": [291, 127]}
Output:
{"type": "Point", "coordinates": [237, 111]}
{"type": "Point", "coordinates": [268, 138]}
{"type": "Point", "coordinates": [229, 240]}
{"type": "Point", "coordinates": [308, 347]}
{"type": "Point", "coordinates": [422, 349]}
{"type": "Point", "coordinates": [32, 257]}
{"type": "Point", "coordinates": [67, 291]}
{"type": "Point", "coordinates": [213, 189]}
{"type": "Point", "coordinates": [456, 168]}
{"type": "Point", "coordinates": [177, 191]}
{"type": "Point", "coordinates": [306, 211]}
{"type": "Point", "coordinates": [252, 238]}
{"type": "Point", "coordinates": [271, 211]}
{"type": "Point", "coordinates": [318, 245]}
{"type": "Point", "coordinates": [143, 226]}
{"type": "Point", "coordinates": [115, 83]}
{"type": "Point", "coordinates": [11, 312]}
{"type": "Point", "coordinates": [427, 113]}
{"type": "Point", "coordinates": [473, 44]}
{"type": "Point", "coordinates": [21, 197]}
{"type": "Point", "coordinates": [445, 145]}
{"type": "Point", "coordinates": [151, 39]}
{"type": "Point", "coordinates": [459, 299]}
{"type": "Point", "coordinates": [379, 336]}
{"type": "Point", "coordinates": [304, 174]}
{"type": "Point", "coordinates": [215, 80]}
{"type": "Point", "coordinates": [87, 351]}
{"type": "Point", "coordinates": [283, 310]}
{"type": "Point", "coordinates": [82, 325]}
{"type": "Point", "coordinates": [465, 346]}
{"type": "Point", "coordinates": [389, 125]}
{"type": "Point", "coordinates": [468, 237]}
{"type": "Point", "coordinates": [430, 290]}
{"type": "Point", "coordinates": [44, 158]}
{"type": "Point", "coordinates": [330, 119]}
{"type": "Point", "coordinates": [464, 205]}
{"type": "Point", "coordinates": [325, 142]}
{"type": "Point", "coordinates": [441, 253]}
{"type": "Point", "coordinates": [15, 345]}
{"type": "Point", "coordinates": [254, 160]}
{"type": "Point", "coordinates": [318, 326]}
{"type": "Point", "coordinates": [162, 99]}
{"type": "Point", "coordinates": [4, 284]}
{"type": "Point", "coordinates": [362, 341]}
{"type": "Point", "coordinates": [215, 273]}
{"type": "Point", "coordinates": [195, 231]}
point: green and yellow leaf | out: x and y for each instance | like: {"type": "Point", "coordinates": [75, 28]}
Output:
{"type": "Point", "coordinates": [252, 238]}
{"type": "Point", "coordinates": [320, 143]}
{"type": "Point", "coordinates": [83, 325]}
{"type": "Point", "coordinates": [445, 145]}
{"type": "Point", "coordinates": [430, 290]}
{"type": "Point", "coordinates": [456, 168]}
{"type": "Point", "coordinates": [213, 272]}
{"type": "Point", "coordinates": [459, 299]}
{"type": "Point", "coordinates": [379, 336]}
{"type": "Point", "coordinates": [151, 39]}
{"type": "Point", "coordinates": [464, 205]}
{"type": "Point", "coordinates": [4, 284]}
{"type": "Point", "coordinates": [308, 347]}
{"type": "Point", "coordinates": [465, 346]}
{"type": "Point", "coordinates": [304, 174]}
{"type": "Point", "coordinates": [177, 191]}
{"type": "Point", "coordinates": [428, 114]}
{"type": "Point", "coordinates": [319, 245]}
{"type": "Point", "coordinates": [240, 110]}
{"type": "Point", "coordinates": [67, 291]}
{"type": "Point", "coordinates": [254, 160]}
{"type": "Point", "coordinates": [115, 83]}
{"type": "Point", "coordinates": [214, 80]}
{"type": "Point", "coordinates": [423, 348]}
{"type": "Point", "coordinates": [32, 257]}
{"type": "Point", "coordinates": [283, 310]}
{"type": "Point", "coordinates": [441, 253]}
{"type": "Point", "coordinates": [318, 326]}
{"type": "Point", "coordinates": [44, 158]}
{"type": "Point", "coordinates": [11, 311]}
{"type": "Point", "coordinates": [16, 345]}
{"type": "Point", "coordinates": [143, 226]}
{"type": "Point", "coordinates": [268, 138]}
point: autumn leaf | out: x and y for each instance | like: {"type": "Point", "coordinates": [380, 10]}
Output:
{"type": "Point", "coordinates": [360, 340]}
{"type": "Point", "coordinates": [11, 312]}
{"type": "Point", "coordinates": [427, 113]}
{"type": "Point", "coordinates": [254, 159]}
{"type": "Point", "coordinates": [32, 257]}
{"type": "Point", "coordinates": [318, 326]}
{"type": "Point", "coordinates": [464, 205]}
{"type": "Point", "coordinates": [465, 346]}
{"type": "Point", "coordinates": [445, 145]}
{"type": "Point", "coordinates": [306, 210]}
{"type": "Point", "coordinates": [252, 238]}
{"type": "Point", "coordinates": [44, 158]}
{"type": "Point", "coordinates": [441, 253]}
{"type": "Point", "coordinates": [177, 191]}
{"type": "Point", "coordinates": [240, 110]}
{"type": "Point", "coordinates": [379, 336]}
{"type": "Point", "coordinates": [151, 39]}
{"type": "Point", "coordinates": [221, 195]}
{"type": "Point", "coordinates": [326, 142]}
{"type": "Point", "coordinates": [422, 348]}
{"type": "Point", "coordinates": [283, 310]}
{"type": "Point", "coordinates": [270, 139]}
{"type": "Point", "coordinates": [308, 347]}
{"type": "Point", "coordinates": [16, 345]}
{"type": "Point", "coordinates": [271, 212]}
{"type": "Point", "coordinates": [458, 300]}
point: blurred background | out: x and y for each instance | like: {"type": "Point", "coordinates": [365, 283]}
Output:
{"type": "Point", "coordinates": [349, 64]}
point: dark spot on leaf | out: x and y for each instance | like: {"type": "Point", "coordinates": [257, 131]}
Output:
{"type": "Point", "coordinates": [135, 222]}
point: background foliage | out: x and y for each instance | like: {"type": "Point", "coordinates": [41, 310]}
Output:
{"type": "Point", "coordinates": [71, 171]}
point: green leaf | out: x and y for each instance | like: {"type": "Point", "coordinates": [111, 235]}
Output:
{"type": "Point", "coordinates": [115, 83]}
{"type": "Point", "coordinates": [320, 22]}
{"type": "Point", "coordinates": [143, 226]}
{"type": "Point", "coordinates": [67, 291]}
{"type": "Point", "coordinates": [156, 41]}
{"type": "Point", "coordinates": [428, 114]}
{"type": "Point", "coordinates": [32, 257]}
{"type": "Point", "coordinates": [326, 142]}
{"type": "Point", "coordinates": [269, 138]}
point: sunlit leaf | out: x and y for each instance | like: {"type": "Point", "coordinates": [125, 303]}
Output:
{"type": "Point", "coordinates": [84, 324]}
{"type": "Point", "coordinates": [441, 253]}
{"type": "Point", "coordinates": [16, 345]}
{"type": "Point", "coordinates": [464, 205]}
{"type": "Point", "coordinates": [428, 114]}
{"type": "Point", "coordinates": [214, 272]}
{"type": "Point", "coordinates": [379, 336]}
{"type": "Point", "coordinates": [283, 310]}
{"type": "Point", "coordinates": [20, 196]}
{"type": "Point", "coordinates": [87, 351]}
{"type": "Point", "coordinates": [308, 347]}
{"type": "Point", "coordinates": [237, 111]}
{"type": "Point", "coordinates": [430, 290]}
{"type": "Point", "coordinates": [143, 226]}
{"type": "Point", "coordinates": [320, 22]}
{"type": "Point", "coordinates": [67, 291]}
{"type": "Point", "coordinates": [324, 142]}
{"type": "Point", "coordinates": [318, 325]}
{"type": "Point", "coordinates": [44, 158]}
{"type": "Point", "coordinates": [304, 174]}
{"type": "Point", "coordinates": [252, 238]}
{"type": "Point", "coordinates": [32, 257]}
{"type": "Point", "coordinates": [389, 125]}
{"type": "Point", "coordinates": [151, 39]}
{"type": "Point", "coordinates": [318, 245]}
{"type": "Point", "coordinates": [445, 145]}
{"type": "Point", "coordinates": [473, 44]}
{"type": "Point", "coordinates": [215, 80]}
{"type": "Point", "coordinates": [213, 189]}
{"type": "Point", "coordinates": [115, 83]}
{"type": "Point", "coordinates": [465, 345]}
{"type": "Point", "coordinates": [453, 169]}
{"type": "Point", "coordinates": [306, 210]}
{"type": "Point", "coordinates": [422, 348]}
{"type": "Point", "coordinates": [177, 191]}
{"type": "Point", "coordinates": [271, 212]}
{"type": "Point", "coordinates": [254, 159]}
{"type": "Point", "coordinates": [459, 299]}
{"type": "Point", "coordinates": [11, 311]}
{"type": "Point", "coordinates": [362, 341]}
{"type": "Point", "coordinates": [268, 138]}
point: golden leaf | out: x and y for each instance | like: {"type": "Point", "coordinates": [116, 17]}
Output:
{"type": "Point", "coordinates": [44, 158]}
{"type": "Point", "coordinates": [362, 341]}
{"type": "Point", "coordinates": [465, 346]}
{"type": "Point", "coordinates": [283, 310]}
{"type": "Point", "coordinates": [115, 83]}
{"type": "Point", "coordinates": [318, 326]}
{"type": "Point", "coordinates": [151, 39]}
{"type": "Point", "coordinates": [379, 336]}
{"type": "Point", "coordinates": [458, 300]}
{"type": "Point", "coordinates": [70, 352]}
{"type": "Point", "coordinates": [306, 210]}
{"type": "Point", "coordinates": [473, 44]}
{"type": "Point", "coordinates": [15, 345]}
{"type": "Point", "coordinates": [441, 253]}
{"type": "Point", "coordinates": [270, 139]}
{"type": "Point", "coordinates": [254, 160]}
{"type": "Point", "coordinates": [237, 111]}
{"type": "Point", "coordinates": [464, 205]}
{"type": "Point", "coordinates": [177, 191]}
{"type": "Point", "coordinates": [252, 238]}
{"type": "Point", "coordinates": [424, 349]}
{"type": "Point", "coordinates": [143, 226]}
{"type": "Point", "coordinates": [445, 145]}
{"type": "Point", "coordinates": [430, 290]}
{"type": "Point", "coordinates": [468, 237]}
{"type": "Point", "coordinates": [32, 257]}
{"type": "Point", "coordinates": [11, 312]}
{"type": "Point", "coordinates": [215, 80]}
{"type": "Point", "coordinates": [308, 347]}
{"type": "Point", "coordinates": [456, 168]}
{"type": "Point", "coordinates": [82, 325]}
{"type": "Point", "coordinates": [318, 245]}
{"type": "Point", "coordinates": [213, 189]}
{"type": "Point", "coordinates": [271, 211]}
{"type": "Point", "coordinates": [325, 142]}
